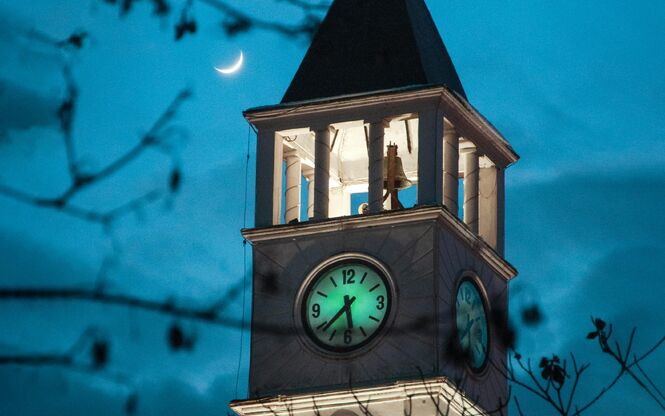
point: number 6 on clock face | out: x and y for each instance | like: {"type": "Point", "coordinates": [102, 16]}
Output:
{"type": "Point", "coordinates": [346, 304]}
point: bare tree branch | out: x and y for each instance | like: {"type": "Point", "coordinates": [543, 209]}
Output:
{"type": "Point", "coordinates": [603, 336]}
{"type": "Point", "coordinates": [309, 5]}
{"type": "Point", "coordinates": [36, 360]}
{"type": "Point", "coordinates": [555, 372]}
{"type": "Point", "coordinates": [519, 408]}
{"type": "Point", "coordinates": [89, 355]}
{"type": "Point", "coordinates": [646, 377]}
{"type": "Point", "coordinates": [241, 21]}
{"type": "Point", "coordinates": [364, 407]}
{"type": "Point", "coordinates": [210, 314]}
{"type": "Point", "coordinates": [80, 181]}
{"type": "Point", "coordinates": [238, 21]}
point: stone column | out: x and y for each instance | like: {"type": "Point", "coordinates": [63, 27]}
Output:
{"type": "Point", "coordinates": [321, 172]}
{"type": "Point", "coordinates": [430, 157]}
{"type": "Point", "coordinates": [491, 205]}
{"type": "Point", "coordinates": [340, 202]}
{"type": "Point", "coordinates": [292, 193]}
{"type": "Point", "coordinates": [471, 189]}
{"type": "Point", "coordinates": [450, 168]}
{"type": "Point", "coordinates": [308, 173]}
{"type": "Point", "coordinates": [376, 149]}
{"type": "Point", "coordinates": [268, 179]}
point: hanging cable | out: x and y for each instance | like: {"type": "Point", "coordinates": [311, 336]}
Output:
{"type": "Point", "coordinates": [244, 261]}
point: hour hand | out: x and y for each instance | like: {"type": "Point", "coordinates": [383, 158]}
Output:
{"type": "Point", "coordinates": [347, 305]}
{"type": "Point", "coordinates": [345, 308]}
{"type": "Point", "coordinates": [469, 323]}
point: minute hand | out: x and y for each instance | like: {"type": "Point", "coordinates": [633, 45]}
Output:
{"type": "Point", "coordinates": [347, 306]}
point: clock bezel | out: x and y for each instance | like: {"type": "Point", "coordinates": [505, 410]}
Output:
{"type": "Point", "coordinates": [474, 279]}
{"type": "Point", "coordinates": [300, 314]}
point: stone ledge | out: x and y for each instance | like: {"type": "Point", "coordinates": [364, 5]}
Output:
{"type": "Point", "coordinates": [387, 218]}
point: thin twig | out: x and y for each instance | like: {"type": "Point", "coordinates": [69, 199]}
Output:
{"type": "Point", "coordinates": [211, 314]}
{"type": "Point", "coordinates": [305, 28]}
{"type": "Point", "coordinates": [309, 6]}
{"type": "Point", "coordinates": [81, 181]}
{"type": "Point", "coordinates": [646, 376]}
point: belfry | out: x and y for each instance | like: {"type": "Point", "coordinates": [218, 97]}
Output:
{"type": "Point", "coordinates": [368, 297]}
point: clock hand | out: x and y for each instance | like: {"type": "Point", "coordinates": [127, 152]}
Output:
{"type": "Point", "coordinates": [339, 313]}
{"type": "Point", "coordinates": [469, 323]}
{"type": "Point", "coordinates": [473, 322]}
{"type": "Point", "coordinates": [347, 305]}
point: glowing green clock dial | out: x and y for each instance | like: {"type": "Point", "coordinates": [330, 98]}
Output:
{"type": "Point", "coordinates": [472, 324]}
{"type": "Point", "coordinates": [346, 305]}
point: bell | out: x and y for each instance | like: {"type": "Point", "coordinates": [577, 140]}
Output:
{"type": "Point", "coordinates": [394, 178]}
{"type": "Point", "coordinates": [401, 181]}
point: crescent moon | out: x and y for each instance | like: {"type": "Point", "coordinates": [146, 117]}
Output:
{"type": "Point", "coordinates": [234, 68]}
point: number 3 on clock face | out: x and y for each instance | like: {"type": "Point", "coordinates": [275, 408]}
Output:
{"type": "Point", "coordinates": [345, 305]}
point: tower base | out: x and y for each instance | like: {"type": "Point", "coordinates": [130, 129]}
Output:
{"type": "Point", "coordinates": [433, 396]}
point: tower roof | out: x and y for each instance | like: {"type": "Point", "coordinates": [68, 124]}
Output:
{"type": "Point", "coordinates": [373, 45]}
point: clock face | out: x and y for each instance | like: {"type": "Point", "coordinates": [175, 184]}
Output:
{"type": "Point", "coordinates": [471, 320]}
{"type": "Point", "coordinates": [346, 304]}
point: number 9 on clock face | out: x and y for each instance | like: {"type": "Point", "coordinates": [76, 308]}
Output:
{"type": "Point", "coordinates": [346, 305]}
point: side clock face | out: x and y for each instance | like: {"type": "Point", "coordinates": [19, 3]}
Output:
{"type": "Point", "coordinates": [345, 305]}
{"type": "Point", "coordinates": [471, 320]}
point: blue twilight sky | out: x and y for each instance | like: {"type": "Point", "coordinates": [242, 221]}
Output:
{"type": "Point", "coordinates": [577, 87]}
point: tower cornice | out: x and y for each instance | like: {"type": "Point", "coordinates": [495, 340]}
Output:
{"type": "Point", "coordinates": [387, 218]}
{"type": "Point", "coordinates": [404, 103]}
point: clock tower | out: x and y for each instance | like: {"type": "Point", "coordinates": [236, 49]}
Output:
{"type": "Point", "coordinates": [368, 297]}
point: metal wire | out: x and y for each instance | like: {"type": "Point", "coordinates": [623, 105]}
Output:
{"type": "Point", "coordinates": [244, 260]}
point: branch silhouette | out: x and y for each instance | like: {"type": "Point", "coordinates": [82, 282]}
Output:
{"type": "Point", "coordinates": [212, 314]}
{"type": "Point", "coordinates": [553, 384]}
{"type": "Point", "coordinates": [80, 180]}
{"type": "Point", "coordinates": [89, 355]}
{"type": "Point", "coordinates": [236, 20]}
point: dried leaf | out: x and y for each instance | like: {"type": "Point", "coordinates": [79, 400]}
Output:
{"type": "Point", "coordinates": [184, 27]}
{"type": "Point", "coordinates": [531, 315]}
{"type": "Point", "coordinates": [176, 337]}
{"type": "Point", "coordinates": [543, 362]}
{"type": "Point", "coordinates": [552, 371]}
{"type": "Point", "coordinates": [599, 323]}
{"type": "Point", "coordinates": [126, 6]}
{"type": "Point", "coordinates": [236, 25]}
{"type": "Point", "coordinates": [161, 7]}
{"type": "Point", "coordinates": [592, 335]}
{"type": "Point", "coordinates": [75, 40]}
{"type": "Point", "coordinates": [100, 353]}
{"type": "Point", "coordinates": [66, 114]}
{"type": "Point", "coordinates": [131, 404]}
{"type": "Point", "coordinates": [175, 180]}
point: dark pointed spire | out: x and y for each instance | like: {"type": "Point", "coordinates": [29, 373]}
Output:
{"type": "Point", "coordinates": [373, 45]}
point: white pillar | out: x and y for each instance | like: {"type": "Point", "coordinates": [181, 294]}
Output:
{"type": "Point", "coordinates": [308, 173]}
{"type": "Point", "coordinates": [293, 175]}
{"type": "Point", "coordinates": [321, 172]}
{"type": "Point", "coordinates": [376, 149]}
{"type": "Point", "coordinates": [450, 168]}
{"type": "Point", "coordinates": [491, 205]}
{"type": "Point", "coordinates": [340, 202]}
{"type": "Point", "coordinates": [268, 179]}
{"type": "Point", "coordinates": [471, 189]}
